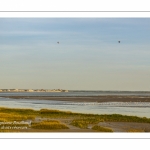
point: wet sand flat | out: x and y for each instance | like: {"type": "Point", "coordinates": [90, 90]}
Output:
{"type": "Point", "coordinates": [114, 98]}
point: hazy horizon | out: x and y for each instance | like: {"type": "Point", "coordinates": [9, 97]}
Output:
{"type": "Point", "coordinates": [87, 57]}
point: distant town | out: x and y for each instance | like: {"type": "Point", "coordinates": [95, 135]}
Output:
{"type": "Point", "coordinates": [33, 90]}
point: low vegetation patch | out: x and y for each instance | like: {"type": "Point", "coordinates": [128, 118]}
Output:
{"type": "Point", "coordinates": [55, 113]}
{"type": "Point", "coordinates": [49, 125]}
{"type": "Point", "coordinates": [83, 123]}
{"type": "Point", "coordinates": [135, 130]}
{"type": "Point", "coordinates": [124, 118]}
{"type": "Point", "coordinates": [18, 111]}
{"type": "Point", "coordinates": [77, 119]}
{"type": "Point", "coordinates": [101, 129]}
{"type": "Point", "coordinates": [4, 117]}
{"type": "Point", "coordinates": [15, 114]}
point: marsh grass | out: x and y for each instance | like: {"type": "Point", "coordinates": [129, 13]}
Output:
{"type": "Point", "coordinates": [124, 118]}
{"type": "Point", "coordinates": [101, 129]}
{"type": "Point", "coordinates": [14, 117]}
{"type": "Point", "coordinates": [18, 111]}
{"type": "Point", "coordinates": [53, 124]}
{"type": "Point", "coordinates": [135, 130]}
{"type": "Point", "coordinates": [105, 117]}
{"type": "Point", "coordinates": [14, 114]}
{"type": "Point", "coordinates": [57, 113]}
{"type": "Point", "coordinates": [83, 123]}
{"type": "Point", "coordinates": [77, 119]}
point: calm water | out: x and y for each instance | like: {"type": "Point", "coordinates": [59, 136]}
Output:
{"type": "Point", "coordinates": [127, 108]}
{"type": "Point", "coordinates": [77, 93]}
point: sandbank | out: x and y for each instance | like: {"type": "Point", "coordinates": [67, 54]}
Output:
{"type": "Point", "coordinates": [99, 99]}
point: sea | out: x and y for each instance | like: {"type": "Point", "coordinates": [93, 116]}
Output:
{"type": "Point", "coordinates": [141, 109]}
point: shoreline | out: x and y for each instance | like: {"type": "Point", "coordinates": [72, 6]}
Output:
{"type": "Point", "coordinates": [99, 99]}
{"type": "Point", "coordinates": [27, 119]}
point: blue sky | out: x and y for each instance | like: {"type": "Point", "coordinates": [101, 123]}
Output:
{"type": "Point", "coordinates": [88, 56]}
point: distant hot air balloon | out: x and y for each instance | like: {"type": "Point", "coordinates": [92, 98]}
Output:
{"type": "Point", "coordinates": [118, 41]}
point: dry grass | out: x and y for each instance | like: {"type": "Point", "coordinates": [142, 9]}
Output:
{"type": "Point", "coordinates": [77, 119]}
{"type": "Point", "coordinates": [54, 124]}
{"type": "Point", "coordinates": [14, 117]}
{"type": "Point", "coordinates": [135, 130]}
{"type": "Point", "coordinates": [83, 123]}
{"type": "Point", "coordinates": [101, 129]}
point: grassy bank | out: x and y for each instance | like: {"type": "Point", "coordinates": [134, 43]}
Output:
{"type": "Point", "coordinates": [53, 117]}
{"type": "Point", "coordinates": [54, 124]}
{"type": "Point", "coordinates": [101, 129]}
{"type": "Point", "coordinates": [14, 114]}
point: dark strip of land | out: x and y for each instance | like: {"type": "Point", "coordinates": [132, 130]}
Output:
{"type": "Point", "coordinates": [108, 98]}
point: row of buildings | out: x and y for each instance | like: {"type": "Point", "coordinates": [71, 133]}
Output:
{"type": "Point", "coordinates": [32, 90]}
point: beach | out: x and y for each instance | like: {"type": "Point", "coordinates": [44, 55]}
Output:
{"type": "Point", "coordinates": [116, 126]}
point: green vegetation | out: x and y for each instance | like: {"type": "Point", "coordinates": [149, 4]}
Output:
{"type": "Point", "coordinates": [49, 125]}
{"type": "Point", "coordinates": [14, 117]}
{"type": "Point", "coordinates": [48, 111]}
{"type": "Point", "coordinates": [101, 129]}
{"type": "Point", "coordinates": [24, 114]}
{"type": "Point", "coordinates": [18, 111]}
{"type": "Point", "coordinates": [76, 119]}
{"type": "Point", "coordinates": [124, 118]}
{"type": "Point", "coordinates": [13, 114]}
{"type": "Point", "coordinates": [83, 123]}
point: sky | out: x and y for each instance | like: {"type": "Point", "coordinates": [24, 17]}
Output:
{"type": "Point", "coordinates": [88, 56]}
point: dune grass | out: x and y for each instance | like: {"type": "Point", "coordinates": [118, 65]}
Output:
{"type": "Point", "coordinates": [10, 113]}
{"type": "Point", "coordinates": [57, 113]}
{"type": "Point", "coordinates": [14, 117]}
{"type": "Point", "coordinates": [135, 130]}
{"type": "Point", "coordinates": [124, 118]}
{"type": "Point", "coordinates": [16, 114]}
{"type": "Point", "coordinates": [77, 119]}
{"type": "Point", "coordinates": [101, 129]}
{"type": "Point", "coordinates": [83, 123]}
{"type": "Point", "coordinates": [104, 117]}
{"type": "Point", "coordinates": [49, 125]}
{"type": "Point", "coordinates": [18, 111]}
